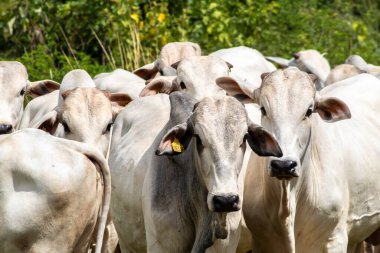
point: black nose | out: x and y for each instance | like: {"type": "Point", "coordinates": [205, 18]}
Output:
{"type": "Point", "coordinates": [226, 203]}
{"type": "Point", "coordinates": [296, 56]}
{"type": "Point", "coordinates": [5, 128]}
{"type": "Point", "coordinates": [283, 168]}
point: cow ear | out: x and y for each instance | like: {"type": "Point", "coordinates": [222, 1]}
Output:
{"type": "Point", "coordinates": [236, 89]}
{"type": "Point", "coordinates": [39, 88]}
{"type": "Point", "coordinates": [147, 71]}
{"type": "Point", "coordinates": [118, 102]}
{"type": "Point", "coordinates": [169, 71]}
{"type": "Point", "coordinates": [48, 123]}
{"type": "Point", "coordinates": [175, 141]}
{"type": "Point", "coordinates": [262, 142]}
{"type": "Point", "coordinates": [332, 109]}
{"type": "Point", "coordinates": [313, 77]}
{"type": "Point", "coordinates": [229, 65]}
{"type": "Point", "coordinates": [282, 62]}
{"type": "Point", "coordinates": [161, 84]}
{"type": "Point", "coordinates": [175, 65]}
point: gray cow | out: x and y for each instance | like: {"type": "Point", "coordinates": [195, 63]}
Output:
{"type": "Point", "coordinates": [191, 195]}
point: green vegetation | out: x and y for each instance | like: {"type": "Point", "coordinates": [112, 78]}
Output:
{"type": "Point", "coordinates": [52, 37]}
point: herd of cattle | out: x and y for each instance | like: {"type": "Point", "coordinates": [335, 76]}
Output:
{"type": "Point", "coordinates": [160, 160]}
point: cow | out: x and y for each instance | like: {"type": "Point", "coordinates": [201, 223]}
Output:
{"type": "Point", "coordinates": [85, 115]}
{"type": "Point", "coordinates": [341, 72]}
{"type": "Point", "coordinates": [191, 196]}
{"type": "Point", "coordinates": [361, 64]}
{"type": "Point", "coordinates": [248, 65]}
{"type": "Point", "coordinates": [53, 194]}
{"type": "Point", "coordinates": [120, 81]}
{"type": "Point", "coordinates": [195, 75]}
{"type": "Point", "coordinates": [43, 105]}
{"type": "Point", "coordinates": [134, 131]}
{"type": "Point", "coordinates": [322, 194]}
{"type": "Point", "coordinates": [170, 55]}
{"type": "Point", "coordinates": [310, 61]}
{"type": "Point", "coordinates": [14, 85]}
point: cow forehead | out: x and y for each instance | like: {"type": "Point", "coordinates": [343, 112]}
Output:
{"type": "Point", "coordinates": [223, 117]}
{"type": "Point", "coordinates": [13, 75]}
{"type": "Point", "coordinates": [287, 89]}
{"type": "Point", "coordinates": [88, 102]}
{"type": "Point", "coordinates": [201, 66]}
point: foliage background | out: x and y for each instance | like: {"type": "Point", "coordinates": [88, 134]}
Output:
{"type": "Point", "coordinates": [52, 37]}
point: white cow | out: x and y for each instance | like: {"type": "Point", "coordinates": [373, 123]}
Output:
{"type": "Point", "coordinates": [85, 115]}
{"type": "Point", "coordinates": [170, 54]}
{"type": "Point", "coordinates": [120, 81]}
{"type": "Point", "coordinates": [135, 129]}
{"type": "Point", "coordinates": [14, 85]}
{"type": "Point", "coordinates": [341, 72]}
{"type": "Point", "coordinates": [51, 193]}
{"type": "Point", "coordinates": [41, 106]}
{"type": "Point", "coordinates": [361, 64]}
{"type": "Point", "coordinates": [195, 75]}
{"type": "Point", "coordinates": [310, 61]}
{"type": "Point", "coordinates": [321, 195]}
{"type": "Point", "coordinates": [248, 65]}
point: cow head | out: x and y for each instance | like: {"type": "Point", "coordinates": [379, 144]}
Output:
{"type": "Point", "coordinates": [216, 135]}
{"type": "Point", "coordinates": [170, 55]}
{"type": "Point", "coordinates": [288, 103]}
{"type": "Point", "coordinates": [195, 76]}
{"type": "Point", "coordinates": [310, 61]}
{"type": "Point", "coordinates": [14, 85]}
{"type": "Point", "coordinates": [86, 115]}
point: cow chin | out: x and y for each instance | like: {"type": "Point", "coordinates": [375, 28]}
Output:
{"type": "Point", "coordinates": [223, 203]}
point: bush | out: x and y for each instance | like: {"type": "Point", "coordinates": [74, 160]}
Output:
{"type": "Point", "coordinates": [52, 37]}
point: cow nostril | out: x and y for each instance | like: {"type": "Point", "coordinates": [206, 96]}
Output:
{"type": "Point", "coordinates": [5, 128]}
{"type": "Point", "coordinates": [292, 165]}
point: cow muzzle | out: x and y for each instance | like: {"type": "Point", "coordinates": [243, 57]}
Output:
{"type": "Point", "coordinates": [6, 128]}
{"type": "Point", "coordinates": [283, 169]}
{"type": "Point", "coordinates": [228, 203]}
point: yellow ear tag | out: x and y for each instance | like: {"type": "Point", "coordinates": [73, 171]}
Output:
{"type": "Point", "coordinates": [177, 146]}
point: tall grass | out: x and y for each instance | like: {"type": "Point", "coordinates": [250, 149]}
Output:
{"type": "Point", "coordinates": [129, 56]}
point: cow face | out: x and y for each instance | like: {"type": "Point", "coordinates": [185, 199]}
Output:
{"type": "Point", "coordinates": [170, 55]}
{"type": "Point", "coordinates": [86, 115]}
{"type": "Point", "coordinates": [288, 100]}
{"type": "Point", "coordinates": [216, 134]}
{"type": "Point", "coordinates": [195, 76]}
{"type": "Point", "coordinates": [14, 85]}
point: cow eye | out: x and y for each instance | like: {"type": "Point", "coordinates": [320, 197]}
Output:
{"type": "Point", "coordinates": [199, 141]}
{"type": "Point", "coordinates": [263, 112]}
{"type": "Point", "coordinates": [243, 143]}
{"type": "Point", "coordinates": [66, 127]}
{"type": "Point", "coordinates": [108, 128]}
{"type": "Point", "coordinates": [308, 112]}
{"type": "Point", "coordinates": [22, 92]}
{"type": "Point", "coordinates": [182, 84]}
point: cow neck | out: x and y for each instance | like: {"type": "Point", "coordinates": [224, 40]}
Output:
{"type": "Point", "coordinates": [218, 221]}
